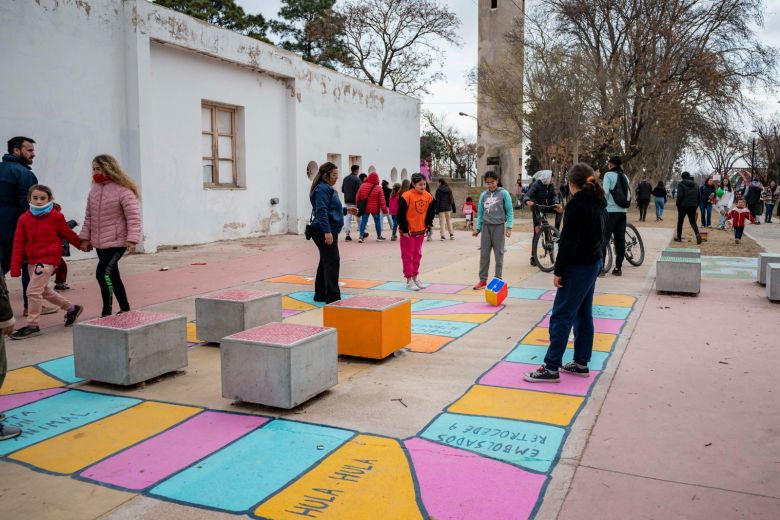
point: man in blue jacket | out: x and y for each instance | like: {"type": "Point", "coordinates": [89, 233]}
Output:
{"type": "Point", "coordinates": [16, 178]}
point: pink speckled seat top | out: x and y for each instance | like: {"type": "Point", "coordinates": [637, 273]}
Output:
{"type": "Point", "coordinates": [239, 295]}
{"type": "Point", "coordinates": [131, 319]}
{"type": "Point", "coordinates": [368, 302]}
{"type": "Point", "coordinates": [278, 333]}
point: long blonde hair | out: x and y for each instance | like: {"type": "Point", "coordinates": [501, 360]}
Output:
{"type": "Point", "coordinates": [110, 166]}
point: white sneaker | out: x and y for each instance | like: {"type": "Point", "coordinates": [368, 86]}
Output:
{"type": "Point", "coordinates": [410, 285]}
{"type": "Point", "coordinates": [419, 284]}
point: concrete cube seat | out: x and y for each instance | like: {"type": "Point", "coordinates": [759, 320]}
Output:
{"type": "Point", "coordinates": [764, 259]}
{"type": "Point", "coordinates": [131, 347]}
{"type": "Point", "coordinates": [773, 282]}
{"type": "Point", "coordinates": [682, 252]}
{"type": "Point", "coordinates": [223, 313]}
{"type": "Point", "coordinates": [279, 364]}
{"type": "Point", "coordinates": [370, 326]}
{"type": "Point", "coordinates": [678, 275]}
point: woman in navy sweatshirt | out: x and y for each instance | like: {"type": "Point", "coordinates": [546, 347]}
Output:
{"type": "Point", "coordinates": [576, 270]}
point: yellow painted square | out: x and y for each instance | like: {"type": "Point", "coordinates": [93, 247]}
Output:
{"type": "Point", "coordinates": [192, 333]}
{"type": "Point", "coordinates": [614, 300]}
{"type": "Point", "coordinates": [523, 405]}
{"type": "Point", "coordinates": [77, 449]}
{"type": "Point", "coordinates": [28, 379]}
{"type": "Point", "coordinates": [541, 336]}
{"type": "Point", "coordinates": [291, 304]}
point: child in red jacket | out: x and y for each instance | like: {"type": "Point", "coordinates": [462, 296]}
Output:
{"type": "Point", "coordinates": [738, 216]}
{"type": "Point", "coordinates": [38, 238]}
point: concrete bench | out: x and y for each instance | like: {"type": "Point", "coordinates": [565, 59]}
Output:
{"type": "Point", "coordinates": [773, 282]}
{"type": "Point", "coordinates": [221, 314]}
{"type": "Point", "coordinates": [370, 326]}
{"type": "Point", "coordinates": [682, 252]}
{"type": "Point", "coordinates": [279, 364]}
{"type": "Point", "coordinates": [678, 275]}
{"type": "Point", "coordinates": [764, 259]}
{"type": "Point", "coordinates": [131, 347]}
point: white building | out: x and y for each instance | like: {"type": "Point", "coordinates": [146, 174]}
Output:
{"type": "Point", "coordinates": [149, 86]}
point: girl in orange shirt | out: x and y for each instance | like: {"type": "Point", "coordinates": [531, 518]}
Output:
{"type": "Point", "coordinates": [415, 218]}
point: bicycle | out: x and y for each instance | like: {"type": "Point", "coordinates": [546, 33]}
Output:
{"type": "Point", "coordinates": [635, 248]}
{"type": "Point", "coordinates": [544, 247]}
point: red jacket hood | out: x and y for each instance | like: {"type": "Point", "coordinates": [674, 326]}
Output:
{"type": "Point", "coordinates": [373, 178]}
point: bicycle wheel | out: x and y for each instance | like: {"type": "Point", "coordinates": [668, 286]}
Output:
{"type": "Point", "coordinates": [635, 248]}
{"type": "Point", "coordinates": [545, 248]}
{"type": "Point", "coordinates": [608, 259]}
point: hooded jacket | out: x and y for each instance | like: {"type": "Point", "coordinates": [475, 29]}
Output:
{"type": "Point", "coordinates": [39, 240]}
{"type": "Point", "coordinates": [444, 199]}
{"type": "Point", "coordinates": [687, 194]}
{"type": "Point", "coordinates": [349, 187]}
{"type": "Point", "coordinates": [583, 231]}
{"type": "Point", "coordinates": [16, 178]}
{"type": "Point", "coordinates": [113, 216]}
{"type": "Point", "coordinates": [376, 201]}
{"type": "Point", "coordinates": [705, 192]}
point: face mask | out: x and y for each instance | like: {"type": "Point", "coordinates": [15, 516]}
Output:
{"type": "Point", "coordinates": [100, 177]}
{"type": "Point", "coordinates": [37, 211]}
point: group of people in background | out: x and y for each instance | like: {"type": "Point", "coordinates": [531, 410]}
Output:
{"type": "Point", "coordinates": [34, 236]}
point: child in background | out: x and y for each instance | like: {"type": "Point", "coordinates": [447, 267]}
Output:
{"type": "Point", "coordinates": [494, 220]}
{"type": "Point", "coordinates": [112, 225]}
{"type": "Point", "coordinates": [737, 216]}
{"type": "Point", "coordinates": [61, 275]}
{"type": "Point", "coordinates": [393, 206]}
{"type": "Point", "coordinates": [38, 239]}
{"type": "Point", "coordinates": [468, 210]}
{"type": "Point", "coordinates": [415, 219]}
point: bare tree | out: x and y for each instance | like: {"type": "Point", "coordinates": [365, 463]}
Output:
{"type": "Point", "coordinates": [461, 154]}
{"type": "Point", "coordinates": [395, 43]}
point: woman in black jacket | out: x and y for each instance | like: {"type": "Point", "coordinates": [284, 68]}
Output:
{"type": "Point", "coordinates": [445, 205]}
{"type": "Point", "coordinates": [687, 202]}
{"type": "Point", "coordinates": [576, 270]}
{"type": "Point", "coordinates": [659, 192]}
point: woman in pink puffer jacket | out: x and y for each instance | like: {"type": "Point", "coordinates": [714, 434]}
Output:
{"type": "Point", "coordinates": [112, 225]}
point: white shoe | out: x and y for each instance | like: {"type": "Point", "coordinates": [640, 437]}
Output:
{"type": "Point", "coordinates": [410, 285]}
{"type": "Point", "coordinates": [419, 284]}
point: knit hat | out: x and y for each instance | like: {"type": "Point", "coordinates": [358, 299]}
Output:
{"type": "Point", "coordinates": [685, 175]}
{"type": "Point", "coordinates": [617, 161]}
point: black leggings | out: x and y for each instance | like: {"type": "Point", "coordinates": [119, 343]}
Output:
{"type": "Point", "coordinates": [110, 281]}
{"type": "Point", "coordinates": [690, 212]}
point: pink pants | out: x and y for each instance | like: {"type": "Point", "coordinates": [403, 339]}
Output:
{"type": "Point", "coordinates": [39, 290]}
{"type": "Point", "coordinates": [411, 254]}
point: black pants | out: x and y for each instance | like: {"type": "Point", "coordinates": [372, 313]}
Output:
{"type": "Point", "coordinates": [615, 225]}
{"type": "Point", "coordinates": [690, 212]}
{"type": "Point", "coordinates": [643, 204]}
{"type": "Point", "coordinates": [6, 248]}
{"type": "Point", "coordinates": [109, 279]}
{"type": "Point", "coordinates": [753, 208]}
{"type": "Point", "coordinates": [326, 284]}
{"type": "Point", "coordinates": [738, 232]}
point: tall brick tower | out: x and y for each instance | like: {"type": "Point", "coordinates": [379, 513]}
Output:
{"type": "Point", "coordinates": [496, 19]}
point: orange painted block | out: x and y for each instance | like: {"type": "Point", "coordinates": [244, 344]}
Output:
{"type": "Point", "coordinates": [370, 326]}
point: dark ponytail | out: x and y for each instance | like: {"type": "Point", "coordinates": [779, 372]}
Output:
{"type": "Point", "coordinates": [581, 175]}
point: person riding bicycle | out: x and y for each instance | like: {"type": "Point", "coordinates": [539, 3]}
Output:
{"type": "Point", "coordinates": [542, 193]}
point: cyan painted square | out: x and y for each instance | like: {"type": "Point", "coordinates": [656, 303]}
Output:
{"type": "Point", "coordinates": [450, 329]}
{"type": "Point", "coordinates": [62, 368]}
{"type": "Point", "coordinates": [534, 355]}
{"type": "Point", "coordinates": [308, 297]}
{"type": "Point", "coordinates": [610, 312]}
{"type": "Point", "coordinates": [425, 305]}
{"type": "Point", "coordinates": [525, 294]}
{"type": "Point", "coordinates": [58, 414]}
{"type": "Point", "coordinates": [392, 286]}
{"type": "Point", "coordinates": [254, 467]}
{"type": "Point", "coordinates": [530, 445]}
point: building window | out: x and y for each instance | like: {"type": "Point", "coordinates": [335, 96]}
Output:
{"type": "Point", "coordinates": [494, 4]}
{"type": "Point", "coordinates": [355, 160]}
{"type": "Point", "coordinates": [404, 175]}
{"type": "Point", "coordinates": [394, 175]}
{"type": "Point", "coordinates": [218, 128]}
{"type": "Point", "coordinates": [335, 158]}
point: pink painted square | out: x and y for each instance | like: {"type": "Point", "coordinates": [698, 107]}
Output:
{"type": "Point", "coordinates": [368, 302]}
{"type": "Point", "coordinates": [603, 325]}
{"type": "Point", "coordinates": [510, 375]}
{"type": "Point", "coordinates": [131, 319]}
{"type": "Point", "coordinates": [239, 295]}
{"type": "Point", "coordinates": [8, 402]}
{"type": "Point", "coordinates": [549, 296]}
{"type": "Point", "coordinates": [278, 333]}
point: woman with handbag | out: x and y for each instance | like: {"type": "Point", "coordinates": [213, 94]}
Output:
{"type": "Point", "coordinates": [326, 223]}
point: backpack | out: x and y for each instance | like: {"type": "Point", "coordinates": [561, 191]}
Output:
{"type": "Point", "coordinates": [621, 193]}
{"type": "Point", "coordinates": [361, 206]}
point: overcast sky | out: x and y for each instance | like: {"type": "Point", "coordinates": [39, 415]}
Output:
{"type": "Point", "coordinates": [452, 96]}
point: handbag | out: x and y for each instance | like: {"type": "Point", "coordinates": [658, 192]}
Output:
{"type": "Point", "coordinates": [308, 229]}
{"type": "Point", "coordinates": [361, 206]}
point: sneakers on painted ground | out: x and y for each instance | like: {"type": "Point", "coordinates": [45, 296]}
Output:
{"type": "Point", "coordinates": [420, 285]}
{"type": "Point", "coordinates": [410, 285]}
{"type": "Point", "coordinates": [576, 369]}
{"type": "Point", "coordinates": [480, 285]}
{"type": "Point", "coordinates": [28, 331]}
{"type": "Point", "coordinates": [70, 316]}
{"type": "Point", "coordinates": [542, 375]}
{"type": "Point", "coordinates": [8, 432]}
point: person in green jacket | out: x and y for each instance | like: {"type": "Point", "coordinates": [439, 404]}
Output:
{"type": "Point", "coordinates": [494, 221]}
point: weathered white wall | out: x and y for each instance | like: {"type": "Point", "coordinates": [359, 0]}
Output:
{"type": "Point", "coordinates": [127, 77]}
